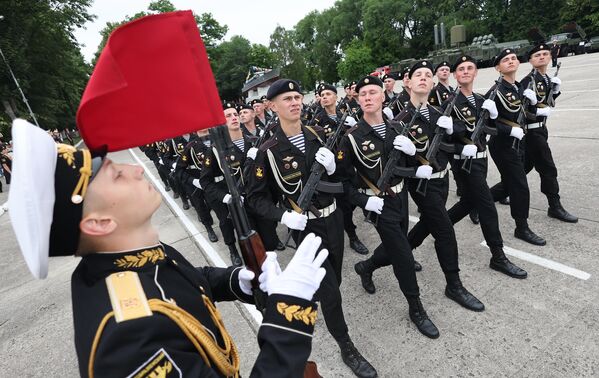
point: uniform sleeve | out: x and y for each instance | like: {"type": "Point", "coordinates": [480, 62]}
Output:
{"type": "Point", "coordinates": [211, 189]}
{"type": "Point", "coordinates": [258, 189]}
{"type": "Point", "coordinates": [224, 284]}
{"type": "Point", "coordinates": [285, 337]}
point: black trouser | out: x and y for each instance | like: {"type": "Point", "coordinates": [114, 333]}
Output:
{"type": "Point", "coordinates": [475, 195]}
{"type": "Point", "coordinates": [161, 173]}
{"type": "Point", "coordinates": [177, 179]}
{"type": "Point", "coordinates": [347, 209]}
{"type": "Point", "coordinates": [198, 201]}
{"type": "Point", "coordinates": [434, 218]}
{"type": "Point", "coordinates": [266, 229]}
{"type": "Point", "coordinates": [394, 248]}
{"type": "Point", "coordinates": [224, 222]}
{"type": "Point", "coordinates": [554, 61]}
{"type": "Point", "coordinates": [165, 171]}
{"type": "Point", "coordinates": [330, 230]}
{"type": "Point", "coordinates": [510, 164]}
{"type": "Point", "coordinates": [538, 156]}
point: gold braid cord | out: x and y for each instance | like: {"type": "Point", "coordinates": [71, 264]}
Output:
{"type": "Point", "coordinates": [226, 359]}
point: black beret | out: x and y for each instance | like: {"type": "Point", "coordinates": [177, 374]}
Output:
{"type": "Point", "coordinates": [255, 101]}
{"type": "Point", "coordinates": [502, 54]}
{"type": "Point", "coordinates": [246, 106]}
{"type": "Point", "coordinates": [346, 86]}
{"type": "Point", "coordinates": [420, 64]}
{"type": "Point", "coordinates": [229, 105]}
{"type": "Point", "coordinates": [405, 71]}
{"type": "Point", "coordinates": [442, 64]}
{"type": "Point", "coordinates": [368, 80]}
{"type": "Point", "coordinates": [353, 83]}
{"type": "Point", "coordinates": [263, 97]}
{"type": "Point", "coordinates": [463, 59]}
{"type": "Point", "coordinates": [539, 47]}
{"type": "Point", "coordinates": [388, 76]}
{"type": "Point", "coordinates": [329, 87]}
{"type": "Point", "coordinates": [282, 86]}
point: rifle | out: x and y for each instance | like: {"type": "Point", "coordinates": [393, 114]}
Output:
{"type": "Point", "coordinates": [390, 169]}
{"type": "Point", "coordinates": [270, 125]}
{"type": "Point", "coordinates": [550, 99]}
{"type": "Point", "coordinates": [253, 253]}
{"type": "Point", "coordinates": [433, 148]}
{"type": "Point", "coordinates": [522, 115]}
{"type": "Point", "coordinates": [480, 125]}
{"type": "Point", "coordinates": [304, 202]}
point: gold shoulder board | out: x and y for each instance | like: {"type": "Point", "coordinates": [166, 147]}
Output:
{"type": "Point", "coordinates": [127, 296]}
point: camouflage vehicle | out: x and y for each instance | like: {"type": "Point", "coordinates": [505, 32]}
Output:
{"type": "Point", "coordinates": [571, 40]}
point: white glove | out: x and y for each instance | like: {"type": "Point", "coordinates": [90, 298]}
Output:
{"type": "Point", "coordinates": [350, 121]}
{"type": "Point", "coordinates": [196, 183]}
{"type": "Point", "coordinates": [529, 94]}
{"type": "Point", "coordinates": [405, 145]}
{"type": "Point", "coordinates": [375, 204]}
{"type": "Point", "coordinates": [424, 172]}
{"type": "Point", "coordinates": [174, 165]}
{"type": "Point", "coordinates": [517, 133]}
{"type": "Point", "coordinates": [557, 83]}
{"type": "Point", "coordinates": [261, 132]}
{"type": "Point", "coordinates": [160, 161]}
{"type": "Point", "coordinates": [294, 220]}
{"type": "Point", "coordinates": [302, 276]}
{"type": "Point", "coordinates": [446, 123]}
{"type": "Point", "coordinates": [491, 107]}
{"type": "Point", "coordinates": [252, 152]}
{"type": "Point", "coordinates": [227, 198]}
{"type": "Point", "coordinates": [469, 150]}
{"type": "Point", "coordinates": [388, 113]}
{"type": "Point", "coordinates": [544, 112]}
{"type": "Point", "coordinates": [325, 157]}
{"type": "Point", "coordinates": [245, 280]}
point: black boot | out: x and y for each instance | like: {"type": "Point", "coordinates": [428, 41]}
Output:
{"type": "Point", "coordinates": [365, 269]}
{"type": "Point", "coordinates": [211, 234]}
{"type": "Point", "coordinates": [557, 211]}
{"type": "Point", "coordinates": [185, 203]}
{"type": "Point", "coordinates": [356, 362]}
{"type": "Point", "coordinates": [524, 232]}
{"type": "Point", "coordinates": [505, 201]}
{"type": "Point", "coordinates": [167, 188]}
{"type": "Point", "coordinates": [474, 216]}
{"type": "Point", "coordinates": [420, 318]}
{"type": "Point", "coordinates": [417, 266]}
{"type": "Point", "coordinates": [357, 245]}
{"type": "Point", "coordinates": [458, 293]}
{"type": "Point", "coordinates": [500, 263]}
{"type": "Point", "coordinates": [175, 195]}
{"type": "Point", "coordinates": [235, 259]}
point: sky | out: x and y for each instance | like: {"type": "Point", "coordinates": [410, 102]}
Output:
{"type": "Point", "coordinates": [254, 20]}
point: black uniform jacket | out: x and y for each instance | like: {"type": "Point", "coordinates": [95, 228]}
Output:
{"type": "Point", "coordinates": [322, 119]}
{"type": "Point", "coordinates": [362, 156]}
{"type": "Point", "coordinates": [440, 94]}
{"type": "Point", "coordinates": [542, 85]}
{"type": "Point", "coordinates": [212, 179]}
{"type": "Point", "coordinates": [465, 116]}
{"type": "Point", "coordinates": [281, 170]}
{"type": "Point", "coordinates": [192, 160]}
{"type": "Point", "coordinates": [509, 105]}
{"type": "Point", "coordinates": [403, 98]}
{"type": "Point", "coordinates": [148, 345]}
{"type": "Point", "coordinates": [151, 151]}
{"type": "Point", "coordinates": [422, 134]}
{"type": "Point", "coordinates": [388, 98]}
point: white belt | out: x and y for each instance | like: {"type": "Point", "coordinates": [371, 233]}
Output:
{"type": "Point", "coordinates": [192, 167]}
{"type": "Point", "coordinates": [395, 189]}
{"type": "Point", "coordinates": [324, 212]}
{"type": "Point", "coordinates": [535, 125]}
{"type": "Point", "coordinates": [479, 155]}
{"type": "Point", "coordinates": [219, 179]}
{"type": "Point", "coordinates": [439, 174]}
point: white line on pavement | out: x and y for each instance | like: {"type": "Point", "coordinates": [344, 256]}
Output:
{"type": "Point", "coordinates": [550, 264]}
{"type": "Point", "coordinates": [575, 110]}
{"type": "Point", "coordinates": [546, 263]}
{"type": "Point", "coordinates": [204, 244]}
{"type": "Point", "coordinates": [580, 91]}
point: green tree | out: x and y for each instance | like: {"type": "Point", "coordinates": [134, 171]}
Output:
{"type": "Point", "coordinates": [261, 56]}
{"type": "Point", "coordinates": [584, 12]}
{"type": "Point", "coordinates": [233, 63]}
{"type": "Point", "coordinates": [357, 61]}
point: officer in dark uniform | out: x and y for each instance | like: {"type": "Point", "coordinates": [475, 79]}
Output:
{"type": "Point", "coordinates": [352, 104]}
{"type": "Point", "coordinates": [429, 185]}
{"type": "Point", "coordinates": [328, 119]}
{"type": "Point", "coordinates": [365, 149]}
{"type": "Point", "coordinates": [442, 90]}
{"type": "Point", "coordinates": [165, 161]}
{"type": "Point", "coordinates": [402, 99]}
{"type": "Point", "coordinates": [261, 117]}
{"type": "Point", "coordinates": [139, 307]}
{"type": "Point", "coordinates": [178, 146]}
{"type": "Point", "coordinates": [280, 169]}
{"type": "Point", "coordinates": [341, 106]}
{"type": "Point", "coordinates": [247, 116]}
{"type": "Point", "coordinates": [506, 147]}
{"type": "Point", "coordinates": [466, 112]}
{"type": "Point", "coordinates": [538, 154]}
{"type": "Point", "coordinates": [151, 151]}
{"type": "Point", "coordinates": [389, 87]}
{"type": "Point", "coordinates": [191, 165]}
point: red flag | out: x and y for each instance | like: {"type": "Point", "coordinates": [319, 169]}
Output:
{"type": "Point", "coordinates": [152, 81]}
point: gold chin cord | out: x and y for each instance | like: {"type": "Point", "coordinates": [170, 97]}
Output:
{"type": "Point", "coordinates": [225, 359]}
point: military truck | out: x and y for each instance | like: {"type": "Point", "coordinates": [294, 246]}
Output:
{"type": "Point", "coordinates": [572, 39]}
